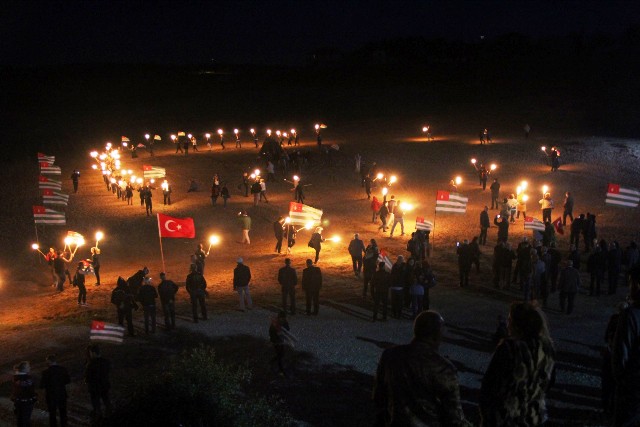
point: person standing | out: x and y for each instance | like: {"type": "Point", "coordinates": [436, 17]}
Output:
{"type": "Point", "coordinates": [371, 254]}
{"type": "Point", "coordinates": [398, 215]}
{"type": "Point", "coordinates": [380, 284]}
{"type": "Point", "coordinates": [383, 214]}
{"type": "Point", "coordinates": [54, 382]}
{"type": "Point", "coordinates": [278, 231]}
{"type": "Point", "coordinates": [484, 225]}
{"type": "Point", "coordinates": [375, 208]}
{"type": "Point", "coordinates": [311, 285]}
{"type": "Point", "coordinates": [124, 302]}
{"type": "Point", "coordinates": [520, 372]}
{"type": "Point", "coordinates": [201, 257]}
{"type": "Point", "coordinates": [569, 285]}
{"type": "Point", "coordinates": [625, 361]}
{"type": "Point", "coordinates": [241, 279]}
{"type": "Point", "coordinates": [60, 267]}
{"type": "Point", "coordinates": [263, 191]}
{"type": "Point", "coordinates": [96, 376]}
{"type": "Point", "coordinates": [465, 257]}
{"type": "Point", "coordinates": [128, 194]}
{"type": "Point", "coordinates": [414, 384]}
{"type": "Point", "coordinates": [367, 186]}
{"type": "Point", "coordinates": [288, 279]}
{"type": "Point", "coordinates": [78, 280]}
{"type": "Point", "coordinates": [245, 224]}
{"type": "Point", "coordinates": [255, 190]}
{"type": "Point", "coordinates": [148, 205]}
{"type": "Point", "coordinates": [271, 176]}
{"type": "Point", "coordinates": [23, 394]}
{"type": "Point", "coordinates": [503, 228]}
{"type": "Point", "coordinates": [567, 208]}
{"type": "Point", "coordinates": [356, 250]}
{"type": "Point", "coordinates": [316, 242]}
{"type": "Point", "coordinates": [166, 192]}
{"type": "Point", "coordinates": [75, 176]}
{"type": "Point", "coordinates": [547, 206]}
{"type": "Point", "coordinates": [495, 194]}
{"type": "Point", "coordinates": [95, 263]}
{"type": "Point", "coordinates": [147, 296]}
{"type": "Point", "coordinates": [194, 143]}
{"type": "Point", "coordinates": [596, 266]}
{"type": "Point", "coordinates": [196, 287]}
{"type": "Point", "coordinates": [167, 290]}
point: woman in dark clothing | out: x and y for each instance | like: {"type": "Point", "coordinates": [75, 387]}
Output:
{"type": "Point", "coordinates": [78, 280]}
{"type": "Point", "coordinates": [95, 263]}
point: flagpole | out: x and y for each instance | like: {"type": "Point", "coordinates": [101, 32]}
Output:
{"type": "Point", "coordinates": [37, 240]}
{"type": "Point", "coordinates": [160, 238]}
{"type": "Point", "coordinates": [435, 213]}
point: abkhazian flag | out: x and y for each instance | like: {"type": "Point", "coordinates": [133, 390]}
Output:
{"type": "Point", "coordinates": [301, 214]}
{"type": "Point", "coordinates": [383, 257]}
{"type": "Point", "coordinates": [48, 183]}
{"type": "Point", "coordinates": [50, 197]}
{"type": "Point", "coordinates": [421, 224]}
{"type": "Point", "coordinates": [149, 172]}
{"type": "Point", "coordinates": [102, 331]}
{"type": "Point", "coordinates": [182, 134]}
{"type": "Point", "coordinates": [125, 139]}
{"type": "Point", "coordinates": [531, 223]}
{"type": "Point", "coordinates": [621, 196]}
{"type": "Point", "coordinates": [50, 168]}
{"type": "Point", "coordinates": [42, 215]}
{"type": "Point", "coordinates": [157, 138]}
{"type": "Point", "coordinates": [451, 202]}
{"type": "Point", "coordinates": [44, 158]}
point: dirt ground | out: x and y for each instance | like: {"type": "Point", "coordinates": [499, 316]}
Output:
{"type": "Point", "coordinates": [332, 366]}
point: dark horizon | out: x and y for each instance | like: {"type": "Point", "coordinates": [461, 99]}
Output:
{"type": "Point", "coordinates": [275, 33]}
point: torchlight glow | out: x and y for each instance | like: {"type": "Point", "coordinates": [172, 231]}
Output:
{"type": "Point", "coordinates": [425, 128]}
{"type": "Point", "coordinates": [99, 235]}
{"type": "Point", "coordinates": [406, 207]}
{"type": "Point", "coordinates": [257, 172]}
{"type": "Point", "coordinates": [317, 126]}
{"type": "Point", "coordinates": [207, 135]}
{"type": "Point", "coordinates": [379, 175]}
{"type": "Point", "coordinates": [287, 220]}
{"type": "Point", "coordinates": [235, 131]}
{"type": "Point", "coordinates": [545, 188]}
{"type": "Point", "coordinates": [189, 136]}
{"type": "Point", "coordinates": [518, 190]}
{"type": "Point", "coordinates": [35, 246]}
{"type": "Point", "coordinates": [252, 130]}
{"type": "Point", "coordinates": [152, 180]}
{"type": "Point", "coordinates": [392, 179]}
{"type": "Point", "coordinates": [214, 240]}
{"type": "Point", "coordinates": [173, 137]}
{"type": "Point", "coordinates": [385, 190]}
{"type": "Point", "coordinates": [269, 132]}
{"type": "Point", "coordinates": [543, 148]}
{"type": "Point", "coordinates": [146, 136]}
{"type": "Point", "coordinates": [94, 167]}
{"type": "Point", "coordinates": [253, 176]}
{"type": "Point", "coordinates": [525, 198]}
{"type": "Point", "coordinates": [94, 154]}
{"type": "Point", "coordinates": [278, 132]}
{"type": "Point", "coordinates": [493, 166]}
{"type": "Point", "coordinates": [293, 131]}
{"type": "Point", "coordinates": [524, 184]}
{"type": "Point", "coordinates": [309, 225]}
{"type": "Point", "coordinates": [458, 180]}
{"type": "Point", "coordinates": [335, 239]}
{"type": "Point", "coordinates": [473, 161]}
{"type": "Point", "coordinates": [296, 177]}
{"type": "Point", "coordinates": [219, 131]}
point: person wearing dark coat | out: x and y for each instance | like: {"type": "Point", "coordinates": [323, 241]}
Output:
{"type": "Point", "coordinates": [380, 282]}
{"type": "Point", "coordinates": [316, 242]}
{"type": "Point", "coordinates": [356, 250]}
{"type": "Point", "coordinates": [23, 394]}
{"type": "Point", "coordinates": [125, 303]}
{"type": "Point", "coordinates": [95, 263]}
{"type": "Point", "coordinates": [288, 279]}
{"type": "Point", "coordinates": [574, 256]}
{"type": "Point", "coordinates": [96, 376]}
{"type": "Point", "coordinates": [311, 285]}
{"type": "Point", "coordinates": [503, 228]}
{"type": "Point", "coordinates": [465, 258]}
{"type": "Point", "coordinates": [567, 208]}
{"type": "Point", "coordinates": [201, 257]}
{"type": "Point", "coordinates": [625, 362]}
{"type": "Point", "coordinates": [54, 382]}
{"type": "Point", "coordinates": [196, 287]}
{"type": "Point", "coordinates": [383, 214]}
{"type": "Point", "coordinates": [495, 194]}
{"type": "Point", "coordinates": [577, 227]}
{"type": "Point", "coordinates": [507, 255]}
{"type": "Point", "coordinates": [135, 282]}
{"type": "Point", "coordinates": [484, 225]}
{"type": "Point", "coordinates": [569, 286]}
{"type": "Point", "coordinates": [370, 261]}
{"type": "Point", "coordinates": [475, 253]}
{"type": "Point", "coordinates": [589, 231]}
{"type": "Point", "coordinates": [278, 231]}
{"type": "Point", "coordinates": [596, 265]}
{"type": "Point", "coordinates": [555, 257]}
{"type": "Point", "coordinates": [147, 297]}
{"type": "Point", "coordinates": [167, 290]}
{"type": "Point", "coordinates": [614, 265]}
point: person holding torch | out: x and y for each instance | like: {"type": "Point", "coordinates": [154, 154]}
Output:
{"type": "Point", "coordinates": [316, 242]}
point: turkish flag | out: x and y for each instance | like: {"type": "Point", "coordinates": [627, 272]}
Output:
{"type": "Point", "coordinates": [442, 195]}
{"type": "Point", "coordinates": [169, 226]}
{"type": "Point", "coordinates": [558, 226]}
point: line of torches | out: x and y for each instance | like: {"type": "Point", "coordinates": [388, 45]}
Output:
{"type": "Point", "coordinates": [72, 243]}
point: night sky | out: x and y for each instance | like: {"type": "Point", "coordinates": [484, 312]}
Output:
{"type": "Point", "coordinates": [53, 33]}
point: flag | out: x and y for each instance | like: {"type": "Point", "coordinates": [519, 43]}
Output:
{"type": "Point", "coordinates": [620, 196]}
{"type": "Point", "coordinates": [42, 215]}
{"type": "Point", "coordinates": [531, 223]}
{"type": "Point", "coordinates": [50, 197]}
{"type": "Point", "coordinates": [181, 134]}
{"type": "Point", "coordinates": [176, 227]}
{"type": "Point", "coordinates": [382, 257]}
{"type": "Point", "coordinates": [75, 236]}
{"type": "Point", "coordinates": [102, 331]}
{"type": "Point", "coordinates": [44, 158]}
{"type": "Point", "coordinates": [141, 145]}
{"type": "Point", "coordinates": [301, 214]}
{"type": "Point", "coordinates": [557, 224]}
{"type": "Point", "coordinates": [451, 202]}
{"type": "Point", "coordinates": [157, 138]}
{"type": "Point", "coordinates": [49, 168]}
{"type": "Point", "coordinates": [48, 183]}
{"type": "Point", "coordinates": [421, 224]}
{"type": "Point", "coordinates": [153, 172]}
{"type": "Point", "coordinates": [125, 139]}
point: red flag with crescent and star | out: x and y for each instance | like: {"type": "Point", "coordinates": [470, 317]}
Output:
{"type": "Point", "coordinates": [169, 226]}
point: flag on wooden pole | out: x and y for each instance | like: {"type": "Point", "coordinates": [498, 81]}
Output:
{"type": "Point", "coordinates": [421, 224]}
{"type": "Point", "coordinates": [305, 215]}
{"type": "Point", "coordinates": [48, 183]}
{"type": "Point", "coordinates": [42, 215]}
{"type": "Point", "coordinates": [50, 168]}
{"type": "Point", "coordinates": [50, 197]}
{"type": "Point", "coordinates": [451, 202]}
{"type": "Point", "coordinates": [622, 196]}
{"type": "Point", "coordinates": [149, 172]}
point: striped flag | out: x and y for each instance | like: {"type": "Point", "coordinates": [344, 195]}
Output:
{"type": "Point", "coordinates": [157, 138]}
{"type": "Point", "coordinates": [153, 172]}
{"type": "Point", "coordinates": [102, 331]}
{"type": "Point", "coordinates": [531, 223]}
{"type": "Point", "coordinates": [48, 183]}
{"type": "Point", "coordinates": [421, 224]}
{"type": "Point", "coordinates": [181, 133]}
{"type": "Point", "coordinates": [383, 257]}
{"type": "Point", "coordinates": [50, 197]}
{"type": "Point", "coordinates": [50, 168]}
{"type": "Point", "coordinates": [42, 215]}
{"type": "Point", "coordinates": [44, 158]}
{"type": "Point", "coordinates": [451, 202]}
{"type": "Point", "coordinates": [301, 214]}
{"type": "Point", "coordinates": [125, 139]}
{"type": "Point", "coordinates": [620, 196]}
{"type": "Point", "coordinates": [75, 235]}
